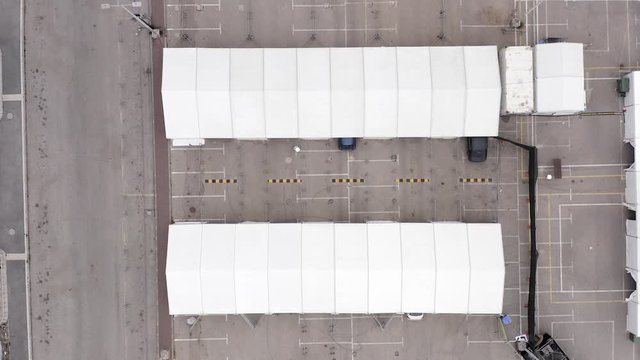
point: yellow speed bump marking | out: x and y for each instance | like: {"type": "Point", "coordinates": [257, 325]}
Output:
{"type": "Point", "coordinates": [220, 181]}
{"type": "Point", "coordinates": [284, 181]}
{"type": "Point", "coordinates": [476, 180]}
{"type": "Point", "coordinates": [347, 181]}
{"type": "Point", "coordinates": [412, 180]}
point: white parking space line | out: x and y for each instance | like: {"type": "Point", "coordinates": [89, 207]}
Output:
{"type": "Point", "coordinates": [197, 172]}
{"type": "Point", "coordinates": [199, 220]}
{"type": "Point", "coordinates": [320, 151]}
{"type": "Point", "coordinates": [225, 339]}
{"type": "Point", "coordinates": [12, 97]}
{"type": "Point", "coordinates": [16, 257]}
{"type": "Point", "coordinates": [293, 28]}
{"type": "Point", "coordinates": [322, 198]}
{"type": "Point", "coordinates": [218, 29]}
{"type": "Point", "coordinates": [197, 148]}
{"type": "Point", "coordinates": [329, 5]}
{"type": "Point", "coordinates": [25, 202]}
{"type": "Point", "coordinates": [202, 5]}
{"type": "Point", "coordinates": [376, 212]}
{"type": "Point", "coordinates": [396, 160]}
{"type": "Point", "coordinates": [320, 175]}
{"type": "Point", "coordinates": [197, 196]}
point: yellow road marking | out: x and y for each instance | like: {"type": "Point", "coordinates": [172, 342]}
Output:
{"type": "Point", "coordinates": [220, 181]}
{"type": "Point", "coordinates": [347, 181]}
{"type": "Point", "coordinates": [284, 181]}
{"type": "Point", "coordinates": [413, 180]}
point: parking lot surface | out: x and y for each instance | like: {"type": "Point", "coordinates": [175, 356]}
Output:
{"type": "Point", "coordinates": [582, 283]}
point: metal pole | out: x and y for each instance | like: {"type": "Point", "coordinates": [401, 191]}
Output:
{"type": "Point", "coordinates": [155, 33]}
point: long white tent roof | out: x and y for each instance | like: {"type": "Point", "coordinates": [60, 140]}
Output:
{"type": "Point", "coordinates": [377, 267]}
{"type": "Point", "coordinates": [315, 93]}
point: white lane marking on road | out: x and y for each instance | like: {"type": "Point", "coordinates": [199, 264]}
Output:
{"type": "Point", "coordinates": [12, 97]}
{"type": "Point", "coordinates": [16, 257]}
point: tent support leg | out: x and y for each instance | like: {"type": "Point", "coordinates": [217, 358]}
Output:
{"type": "Point", "coordinates": [251, 320]}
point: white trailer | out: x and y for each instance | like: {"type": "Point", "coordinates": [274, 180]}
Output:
{"type": "Point", "coordinates": [320, 93]}
{"type": "Point", "coordinates": [516, 73]}
{"type": "Point", "coordinates": [547, 79]}
{"type": "Point", "coordinates": [379, 267]}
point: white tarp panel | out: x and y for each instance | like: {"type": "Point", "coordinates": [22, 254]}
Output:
{"type": "Point", "coordinates": [314, 93]}
{"type": "Point", "coordinates": [251, 255]}
{"type": "Point", "coordinates": [319, 93]}
{"type": "Point", "coordinates": [285, 278]}
{"type": "Point", "coordinates": [414, 92]}
{"type": "Point", "coordinates": [559, 60]}
{"type": "Point", "coordinates": [318, 275]}
{"type": "Point", "coordinates": [559, 78]}
{"type": "Point", "coordinates": [632, 254]}
{"type": "Point", "coordinates": [632, 108]}
{"type": "Point", "coordinates": [633, 248]}
{"type": "Point", "coordinates": [482, 110]}
{"type": "Point", "coordinates": [281, 93]}
{"type": "Point", "coordinates": [418, 268]}
{"type": "Point", "coordinates": [183, 269]}
{"type": "Point", "coordinates": [351, 268]}
{"type": "Point", "coordinates": [347, 92]}
{"type": "Point", "coordinates": [633, 96]}
{"type": "Point", "coordinates": [379, 267]}
{"type": "Point", "coordinates": [633, 313]}
{"type": "Point", "coordinates": [632, 187]}
{"type": "Point", "coordinates": [385, 268]}
{"type": "Point", "coordinates": [487, 271]}
{"type": "Point", "coordinates": [561, 95]}
{"type": "Point", "coordinates": [214, 112]}
{"type": "Point", "coordinates": [448, 91]}
{"type": "Point", "coordinates": [247, 93]}
{"type": "Point", "coordinates": [381, 92]}
{"type": "Point", "coordinates": [631, 118]}
{"type": "Point", "coordinates": [217, 272]}
{"type": "Point", "coordinates": [179, 99]}
{"type": "Point", "coordinates": [452, 274]}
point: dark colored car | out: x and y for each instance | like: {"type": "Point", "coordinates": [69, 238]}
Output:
{"type": "Point", "coordinates": [477, 148]}
{"type": "Point", "coordinates": [346, 143]}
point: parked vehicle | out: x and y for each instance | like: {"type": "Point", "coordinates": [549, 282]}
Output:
{"type": "Point", "coordinates": [347, 143]}
{"type": "Point", "coordinates": [415, 316]}
{"type": "Point", "coordinates": [477, 148]}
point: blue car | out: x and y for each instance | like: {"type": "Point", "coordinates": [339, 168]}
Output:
{"type": "Point", "coordinates": [346, 143]}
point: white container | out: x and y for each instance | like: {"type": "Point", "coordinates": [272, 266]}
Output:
{"type": "Point", "coordinates": [516, 76]}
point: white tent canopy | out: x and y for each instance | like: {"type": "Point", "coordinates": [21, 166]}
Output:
{"type": "Point", "coordinates": [632, 108]}
{"type": "Point", "coordinates": [315, 93]}
{"type": "Point", "coordinates": [632, 196]}
{"type": "Point", "coordinates": [559, 78]}
{"type": "Point", "coordinates": [379, 267]}
{"type": "Point", "coordinates": [631, 118]}
{"type": "Point", "coordinates": [633, 268]}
